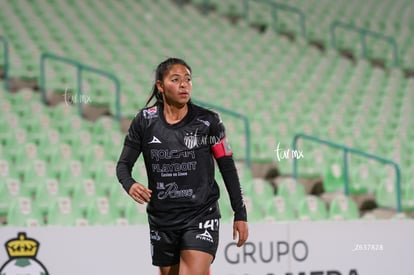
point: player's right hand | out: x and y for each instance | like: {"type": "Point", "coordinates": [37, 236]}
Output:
{"type": "Point", "coordinates": [140, 193]}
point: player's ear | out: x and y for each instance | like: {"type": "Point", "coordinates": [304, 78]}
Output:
{"type": "Point", "coordinates": [160, 86]}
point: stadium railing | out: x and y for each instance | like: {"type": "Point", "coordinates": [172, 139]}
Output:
{"type": "Point", "coordinates": [363, 34]}
{"type": "Point", "coordinates": [346, 150]}
{"type": "Point", "coordinates": [6, 61]}
{"type": "Point", "coordinates": [80, 68]}
{"type": "Point", "coordinates": [274, 9]}
{"type": "Point", "coordinates": [237, 116]}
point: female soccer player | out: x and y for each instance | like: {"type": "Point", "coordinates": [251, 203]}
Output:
{"type": "Point", "coordinates": [179, 142]}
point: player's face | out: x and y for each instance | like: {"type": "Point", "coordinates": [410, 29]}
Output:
{"type": "Point", "coordinates": [176, 85]}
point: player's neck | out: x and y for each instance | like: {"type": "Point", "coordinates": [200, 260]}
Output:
{"type": "Point", "coordinates": [174, 114]}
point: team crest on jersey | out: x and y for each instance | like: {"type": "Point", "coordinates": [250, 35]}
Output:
{"type": "Point", "coordinates": [191, 139]}
{"type": "Point", "coordinates": [150, 112]}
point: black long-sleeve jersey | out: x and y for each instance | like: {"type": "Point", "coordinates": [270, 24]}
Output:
{"type": "Point", "coordinates": [179, 159]}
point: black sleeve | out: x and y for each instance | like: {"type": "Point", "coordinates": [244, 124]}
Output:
{"type": "Point", "coordinates": [130, 152]}
{"type": "Point", "coordinates": [231, 180]}
{"type": "Point", "coordinates": [124, 166]}
{"type": "Point", "coordinates": [224, 156]}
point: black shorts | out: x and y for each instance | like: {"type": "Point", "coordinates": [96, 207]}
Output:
{"type": "Point", "coordinates": [202, 235]}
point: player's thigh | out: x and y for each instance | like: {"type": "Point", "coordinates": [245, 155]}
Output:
{"type": "Point", "coordinates": [169, 270]}
{"type": "Point", "coordinates": [195, 262]}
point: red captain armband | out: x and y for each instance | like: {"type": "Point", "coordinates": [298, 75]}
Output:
{"type": "Point", "coordinates": [221, 149]}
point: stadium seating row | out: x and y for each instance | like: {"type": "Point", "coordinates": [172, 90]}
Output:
{"type": "Point", "coordinates": [387, 18]}
{"type": "Point", "coordinates": [302, 95]}
{"type": "Point", "coordinates": [300, 90]}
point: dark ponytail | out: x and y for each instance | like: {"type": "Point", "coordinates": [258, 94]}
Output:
{"type": "Point", "coordinates": [160, 72]}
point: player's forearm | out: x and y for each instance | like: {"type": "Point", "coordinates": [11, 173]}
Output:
{"type": "Point", "coordinates": [124, 167]}
{"type": "Point", "coordinates": [231, 180]}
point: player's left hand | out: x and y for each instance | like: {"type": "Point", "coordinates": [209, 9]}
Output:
{"type": "Point", "coordinates": [241, 230]}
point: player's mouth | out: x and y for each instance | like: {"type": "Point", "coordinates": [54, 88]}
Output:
{"type": "Point", "coordinates": [184, 94]}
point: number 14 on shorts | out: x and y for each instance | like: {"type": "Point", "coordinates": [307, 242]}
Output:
{"type": "Point", "coordinates": [212, 224]}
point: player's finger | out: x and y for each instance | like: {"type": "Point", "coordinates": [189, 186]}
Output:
{"type": "Point", "coordinates": [242, 237]}
{"type": "Point", "coordinates": [145, 196]}
{"type": "Point", "coordinates": [140, 193]}
{"type": "Point", "coordinates": [145, 193]}
{"type": "Point", "coordinates": [138, 199]}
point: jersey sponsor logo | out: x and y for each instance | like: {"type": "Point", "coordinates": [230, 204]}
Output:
{"type": "Point", "coordinates": [154, 140]}
{"type": "Point", "coordinates": [173, 192]}
{"type": "Point", "coordinates": [151, 112]}
{"type": "Point", "coordinates": [174, 169]}
{"type": "Point", "coordinates": [159, 154]}
{"type": "Point", "coordinates": [160, 185]}
{"type": "Point", "coordinates": [191, 139]}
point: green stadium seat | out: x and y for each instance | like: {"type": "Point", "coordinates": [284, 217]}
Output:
{"type": "Point", "coordinates": [84, 192]}
{"type": "Point", "coordinates": [48, 144]}
{"type": "Point", "coordinates": [136, 213]}
{"type": "Point", "coordinates": [94, 154]}
{"type": "Point", "coordinates": [262, 190]}
{"type": "Point", "coordinates": [10, 190]}
{"type": "Point", "coordinates": [230, 8]}
{"type": "Point", "coordinates": [363, 177]}
{"type": "Point", "coordinates": [71, 176]}
{"type": "Point", "coordinates": [118, 198]}
{"type": "Point", "coordinates": [385, 194]}
{"type": "Point", "coordinates": [255, 210]}
{"type": "Point", "coordinates": [111, 140]}
{"type": "Point", "coordinates": [105, 177]}
{"type": "Point", "coordinates": [312, 208]}
{"type": "Point", "coordinates": [22, 212]}
{"type": "Point", "coordinates": [279, 210]}
{"type": "Point", "coordinates": [35, 173]}
{"type": "Point", "coordinates": [71, 124]}
{"type": "Point", "coordinates": [3, 152]}
{"type": "Point", "coordinates": [333, 179]}
{"type": "Point", "coordinates": [62, 212]}
{"type": "Point", "coordinates": [100, 212]}
{"type": "Point", "coordinates": [25, 155]}
{"type": "Point", "coordinates": [293, 192]}
{"type": "Point", "coordinates": [343, 208]}
{"type": "Point", "coordinates": [7, 169]}
{"type": "Point", "coordinates": [408, 196]}
{"type": "Point", "coordinates": [16, 139]}
{"type": "Point", "coordinates": [62, 112]}
{"type": "Point", "coordinates": [60, 158]}
{"type": "Point", "coordinates": [79, 142]}
{"type": "Point", "coordinates": [105, 125]}
{"type": "Point", "coordinates": [47, 192]}
{"type": "Point", "coordinates": [259, 14]}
